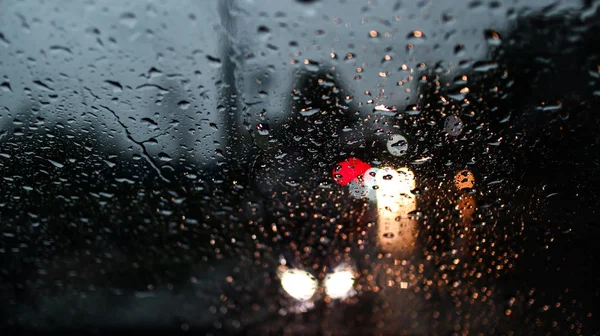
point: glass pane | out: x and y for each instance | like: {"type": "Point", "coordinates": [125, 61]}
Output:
{"type": "Point", "coordinates": [300, 167]}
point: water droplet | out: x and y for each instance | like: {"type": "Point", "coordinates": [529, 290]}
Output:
{"type": "Point", "coordinates": [397, 145]}
{"type": "Point", "coordinates": [214, 61]}
{"type": "Point", "coordinates": [292, 183]}
{"type": "Point", "coordinates": [416, 37]}
{"type": "Point", "coordinates": [484, 66]}
{"type": "Point", "coordinates": [311, 66]}
{"type": "Point", "coordinates": [492, 37]}
{"type": "Point", "coordinates": [349, 56]}
{"type": "Point", "coordinates": [369, 177]}
{"type": "Point", "coordinates": [164, 157]}
{"type": "Point", "coordinates": [263, 29]}
{"type": "Point", "coordinates": [453, 125]}
{"type": "Point", "coordinates": [154, 72]}
{"type": "Point", "coordinates": [184, 104]}
{"type": "Point", "coordinates": [151, 123]}
{"type": "Point", "coordinates": [309, 111]}
{"type": "Point", "coordinates": [262, 129]}
{"type": "Point", "coordinates": [448, 17]}
{"type": "Point", "coordinates": [56, 164]}
{"type": "Point", "coordinates": [6, 86]}
{"type": "Point", "coordinates": [4, 40]}
{"type": "Point", "coordinates": [475, 4]}
{"type": "Point", "coordinates": [357, 189]}
{"type": "Point", "coordinates": [459, 49]}
{"type": "Point", "coordinates": [151, 86]}
{"type": "Point", "coordinates": [325, 184]}
{"type": "Point", "coordinates": [60, 49]}
{"type": "Point", "coordinates": [459, 93]}
{"type": "Point", "coordinates": [464, 179]}
{"type": "Point", "coordinates": [417, 192]}
{"type": "Point", "coordinates": [385, 110]}
{"type": "Point", "coordinates": [42, 85]}
{"type": "Point", "coordinates": [544, 106]}
{"type": "Point", "coordinates": [110, 164]}
{"type": "Point", "coordinates": [413, 110]}
{"type": "Point", "coordinates": [116, 86]}
{"type": "Point", "coordinates": [128, 19]}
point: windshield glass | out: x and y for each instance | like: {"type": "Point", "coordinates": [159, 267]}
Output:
{"type": "Point", "coordinates": [300, 167]}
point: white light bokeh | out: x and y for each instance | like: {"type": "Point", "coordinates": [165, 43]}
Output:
{"type": "Point", "coordinates": [299, 284]}
{"type": "Point", "coordinates": [397, 145]}
{"type": "Point", "coordinates": [395, 202]}
{"type": "Point", "coordinates": [340, 284]}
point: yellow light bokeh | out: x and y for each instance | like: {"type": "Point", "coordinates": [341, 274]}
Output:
{"type": "Point", "coordinates": [464, 179]}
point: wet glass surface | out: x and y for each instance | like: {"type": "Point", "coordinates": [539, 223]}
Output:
{"type": "Point", "coordinates": [300, 167]}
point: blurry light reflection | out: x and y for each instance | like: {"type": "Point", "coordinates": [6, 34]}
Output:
{"type": "Point", "coordinates": [340, 284]}
{"type": "Point", "coordinates": [466, 203]}
{"type": "Point", "coordinates": [395, 202]}
{"type": "Point", "coordinates": [464, 179]}
{"type": "Point", "coordinates": [299, 284]}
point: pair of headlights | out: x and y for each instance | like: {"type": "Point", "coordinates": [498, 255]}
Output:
{"type": "Point", "coordinates": [302, 285]}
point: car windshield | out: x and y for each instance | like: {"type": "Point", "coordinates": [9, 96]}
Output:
{"type": "Point", "coordinates": [343, 167]}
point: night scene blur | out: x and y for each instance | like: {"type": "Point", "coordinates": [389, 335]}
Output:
{"type": "Point", "coordinates": [289, 167]}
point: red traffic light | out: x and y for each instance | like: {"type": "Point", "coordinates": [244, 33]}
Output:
{"type": "Point", "coordinates": [348, 170]}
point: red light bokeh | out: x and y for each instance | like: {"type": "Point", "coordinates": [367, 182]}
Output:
{"type": "Point", "coordinates": [348, 170]}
